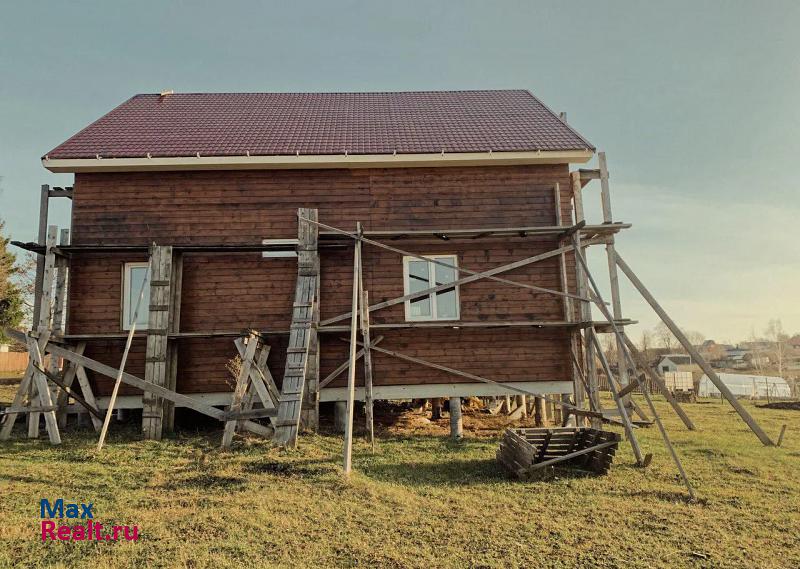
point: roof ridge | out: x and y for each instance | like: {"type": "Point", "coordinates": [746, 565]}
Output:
{"type": "Point", "coordinates": [426, 91]}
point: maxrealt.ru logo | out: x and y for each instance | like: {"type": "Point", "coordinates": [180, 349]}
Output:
{"type": "Point", "coordinates": [90, 531]}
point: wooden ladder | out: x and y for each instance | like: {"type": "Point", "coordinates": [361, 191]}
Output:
{"type": "Point", "coordinates": [301, 366]}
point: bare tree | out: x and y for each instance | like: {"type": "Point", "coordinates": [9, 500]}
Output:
{"type": "Point", "coordinates": [646, 343]}
{"type": "Point", "coordinates": [664, 337]}
{"type": "Point", "coordinates": [695, 338]}
{"type": "Point", "coordinates": [777, 337]}
{"type": "Point", "coordinates": [609, 343]}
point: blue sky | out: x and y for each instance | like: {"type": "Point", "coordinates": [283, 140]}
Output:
{"type": "Point", "coordinates": [695, 103]}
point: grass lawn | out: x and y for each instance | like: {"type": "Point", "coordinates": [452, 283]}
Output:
{"type": "Point", "coordinates": [419, 501]}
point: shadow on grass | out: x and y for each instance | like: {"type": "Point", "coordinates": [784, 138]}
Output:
{"type": "Point", "coordinates": [205, 481]}
{"type": "Point", "coordinates": [458, 472]}
{"type": "Point", "coordinates": [293, 468]}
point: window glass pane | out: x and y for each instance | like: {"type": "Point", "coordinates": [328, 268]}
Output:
{"type": "Point", "coordinates": [418, 278]}
{"type": "Point", "coordinates": [421, 306]}
{"type": "Point", "coordinates": [445, 274]}
{"type": "Point", "coordinates": [135, 279]}
{"type": "Point", "coordinates": [446, 304]}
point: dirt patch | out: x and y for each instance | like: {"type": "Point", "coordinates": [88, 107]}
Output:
{"type": "Point", "coordinates": [783, 405]}
{"type": "Point", "coordinates": [401, 420]}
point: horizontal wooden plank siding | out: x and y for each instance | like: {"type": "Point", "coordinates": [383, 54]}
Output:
{"type": "Point", "coordinates": [244, 290]}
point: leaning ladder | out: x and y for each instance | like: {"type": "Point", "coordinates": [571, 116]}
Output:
{"type": "Point", "coordinates": [302, 334]}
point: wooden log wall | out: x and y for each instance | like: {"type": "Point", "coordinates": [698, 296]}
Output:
{"type": "Point", "coordinates": [243, 290]}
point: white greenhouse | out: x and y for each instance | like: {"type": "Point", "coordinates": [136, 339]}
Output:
{"type": "Point", "coordinates": [753, 386]}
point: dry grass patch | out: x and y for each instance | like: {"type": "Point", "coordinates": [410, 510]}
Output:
{"type": "Point", "coordinates": [419, 501]}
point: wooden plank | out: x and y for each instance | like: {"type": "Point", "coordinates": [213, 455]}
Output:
{"type": "Point", "coordinates": [155, 369]}
{"type": "Point", "coordinates": [351, 376]}
{"type": "Point", "coordinates": [572, 455]}
{"type": "Point", "coordinates": [40, 259]}
{"type": "Point", "coordinates": [242, 383]}
{"type": "Point", "coordinates": [88, 395]}
{"type": "Point", "coordinates": [368, 396]}
{"type": "Point", "coordinates": [309, 264]}
{"type": "Point", "coordinates": [45, 399]}
{"type": "Point", "coordinates": [623, 412]}
{"type": "Point", "coordinates": [260, 376]}
{"type": "Point", "coordinates": [616, 301]}
{"type": "Point", "coordinates": [696, 357]}
{"type": "Point", "coordinates": [59, 325]}
{"type": "Point", "coordinates": [174, 326]}
{"type": "Point", "coordinates": [585, 310]}
{"type": "Point", "coordinates": [78, 399]}
{"type": "Point", "coordinates": [23, 391]}
{"type": "Point", "coordinates": [45, 322]}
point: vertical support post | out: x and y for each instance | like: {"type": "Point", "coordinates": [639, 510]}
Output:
{"type": "Point", "coordinates": [59, 327]}
{"type": "Point", "coordinates": [45, 322]}
{"type": "Point", "coordinates": [364, 323]}
{"type": "Point", "coordinates": [351, 376]}
{"type": "Point", "coordinates": [368, 399]}
{"type": "Point", "coordinates": [539, 412]}
{"type": "Point", "coordinates": [585, 310]}
{"type": "Point", "coordinates": [456, 423]}
{"type": "Point", "coordinates": [174, 326]}
{"type": "Point", "coordinates": [44, 202]}
{"type": "Point", "coordinates": [569, 311]}
{"type": "Point", "coordinates": [522, 404]}
{"type": "Point", "coordinates": [155, 367]}
{"type": "Point", "coordinates": [616, 302]}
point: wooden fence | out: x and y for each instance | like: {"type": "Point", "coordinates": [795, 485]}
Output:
{"type": "Point", "coordinates": [602, 384]}
{"type": "Point", "coordinates": [13, 362]}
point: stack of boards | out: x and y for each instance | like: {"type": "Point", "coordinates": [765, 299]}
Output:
{"type": "Point", "coordinates": [532, 453]}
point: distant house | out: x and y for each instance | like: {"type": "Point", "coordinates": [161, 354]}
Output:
{"type": "Point", "coordinates": [672, 362]}
{"type": "Point", "coordinates": [794, 342]}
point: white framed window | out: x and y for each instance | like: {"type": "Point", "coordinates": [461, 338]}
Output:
{"type": "Point", "coordinates": [133, 274]}
{"type": "Point", "coordinates": [419, 275]}
{"type": "Point", "coordinates": [282, 243]}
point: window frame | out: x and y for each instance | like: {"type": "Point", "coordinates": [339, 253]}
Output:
{"type": "Point", "coordinates": [125, 313]}
{"type": "Point", "coordinates": [434, 317]}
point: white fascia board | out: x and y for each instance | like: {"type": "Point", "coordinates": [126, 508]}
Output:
{"type": "Point", "coordinates": [60, 165]}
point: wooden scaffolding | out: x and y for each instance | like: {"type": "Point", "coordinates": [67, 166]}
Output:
{"type": "Point", "coordinates": [47, 387]}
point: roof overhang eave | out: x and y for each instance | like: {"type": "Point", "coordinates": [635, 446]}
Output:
{"type": "Point", "coordinates": [300, 161]}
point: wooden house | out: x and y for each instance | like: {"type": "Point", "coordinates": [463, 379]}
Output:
{"type": "Point", "coordinates": [476, 180]}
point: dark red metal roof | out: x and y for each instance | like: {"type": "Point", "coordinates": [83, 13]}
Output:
{"type": "Point", "coordinates": [273, 124]}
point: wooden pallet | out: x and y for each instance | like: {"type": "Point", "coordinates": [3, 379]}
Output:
{"type": "Point", "coordinates": [527, 452]}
